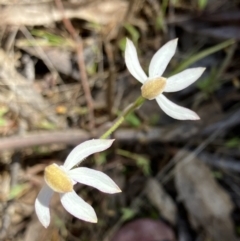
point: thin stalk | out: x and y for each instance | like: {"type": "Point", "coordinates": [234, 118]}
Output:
{"type": "Point", "coordinates": [137, 103]}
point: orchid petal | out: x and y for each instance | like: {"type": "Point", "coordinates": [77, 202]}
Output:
{"type": "Point", "coordinates": [80, 152]}
{"type": "Point", "coordinates": [132, 62]}
{"type": "Point", "coordinates": [183, 79]}
{"type": "Point", "coordinates": [175, 111]}
{"type": "Point", "coordinates": [78, 207]}
{"type": "Point", "coordinates": [161, 58]}
{"type": "Point", "coordinates": [94, 178]}
{"type": "Point", "coordinates": [42, 205]}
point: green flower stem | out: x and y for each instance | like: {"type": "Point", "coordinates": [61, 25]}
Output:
{"type": "Point", "coordinates": [137, 103]}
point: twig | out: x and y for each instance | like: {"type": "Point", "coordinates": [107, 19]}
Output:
{"type": "Point", "coordinates": [76, 136]}
{"type": "Point", "coordinates": [221, 162]}
{"type": "Point", "coordinates": [111, 78]}
{"type": "Point", "coordinates": [81, 64]}
{"type": "Point", "coordinates": [43, 138]}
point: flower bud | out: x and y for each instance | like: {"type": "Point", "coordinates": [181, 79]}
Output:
{"type": "Point", "coordinates": [57, 179]}
{"type": "Point", "coordinates": [153, 87]}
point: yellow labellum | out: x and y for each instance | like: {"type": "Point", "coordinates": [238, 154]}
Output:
{"type": "Point", "coordinates": [153, 87]}
{"type": "Point", "coordinates": [57, 179]}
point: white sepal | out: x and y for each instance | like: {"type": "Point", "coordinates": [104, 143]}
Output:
{"type": "Point", "coordinates": [80, 152]}
{"type": "Point", "coordinates": [161, 58]}
{"type": "Point", "coordinates": [42, 205]}
{"type": "Point", "coordinates": [132, 62]}
{"type": "Point", "coordinates": [183, 79]}
{"type": "Point", "coordinates": [78, 207]}
{"type": "Point", "coordinates": [175, 111]}
{"type": "Point", "coordinates": [94, 178]}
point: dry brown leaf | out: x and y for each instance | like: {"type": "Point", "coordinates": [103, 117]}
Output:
{"type": "Point", "coordinates": [62, 58]}
{"type": "Point", "coordinates": [207, 202]}
{"type": "Point", "coordinates": [161, 200]}
{"type": "Point", "coordinates": [108, 12]}
{"type": "Point", "coordinates": [22, 97]}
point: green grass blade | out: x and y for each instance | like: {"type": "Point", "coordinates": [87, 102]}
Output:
{"type": "Point", "coordinates": [191, 60]}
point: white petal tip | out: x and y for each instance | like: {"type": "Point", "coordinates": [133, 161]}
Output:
{"type": "Point", "coordinates": [119, 190]}
{"type": "Point", "coordinates": [197, 118]}
{"type": "Point", "coordinates": [194, 117]}
{"type": "Point", "coordinates": [191, 115]}
{"type": "Point", "coordinates": [128, 42]}
{"type": "Point", "coordinates": [109, 142]}
{"type": "Point", "coordinates": [91, 220]}
{"type": "Point", "coordinates": [105, 141]}
{"type": "Point", "coordinates": [94, 220]}
{"type": "Point", "coordinates": [202, 69]}
{"type": "Point", "coordinates": [45, 226]}
{"type": "Point", "coordinates": [191, 118]}
{"type": "Point", "coordinates": [116, 190]}
{"type": "Point", "coordinates": [174, 41]}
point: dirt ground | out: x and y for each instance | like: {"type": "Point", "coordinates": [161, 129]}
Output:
{"type": "Point", "coordinates": [63, 80]}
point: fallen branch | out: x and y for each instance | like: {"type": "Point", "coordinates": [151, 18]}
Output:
{"type": "Point", "coordinates": [43, 138]}
{"type": "Point", "coordinates": [76, 136]}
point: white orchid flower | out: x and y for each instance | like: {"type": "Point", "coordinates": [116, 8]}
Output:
{"type": "Point", "coordinates": [61, 179]}
{"type": "Point", "coordinates": [154, 85]}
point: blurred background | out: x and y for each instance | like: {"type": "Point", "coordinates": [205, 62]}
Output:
{"type": "Point", "coordinates": [63, 80]}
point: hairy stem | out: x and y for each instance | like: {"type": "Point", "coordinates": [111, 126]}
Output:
{"type": "Point", "coordinates": [137, 103]}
